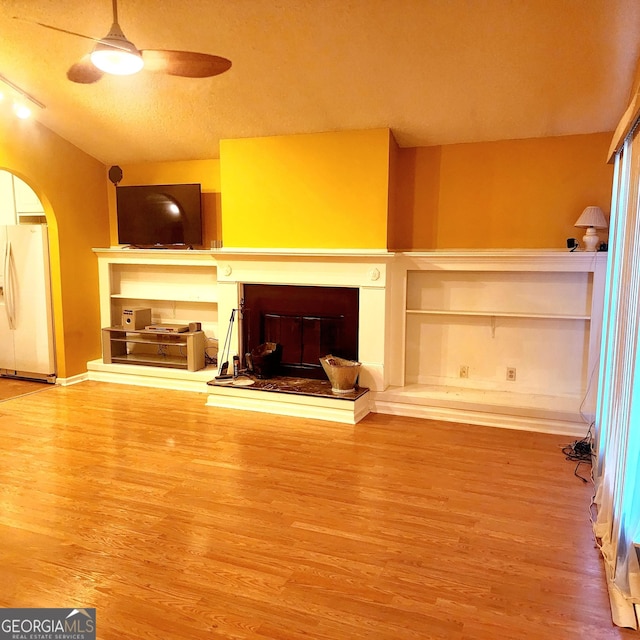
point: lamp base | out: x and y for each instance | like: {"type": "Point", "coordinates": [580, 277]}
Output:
{"type": "Point", "coordinates": [591, 239]}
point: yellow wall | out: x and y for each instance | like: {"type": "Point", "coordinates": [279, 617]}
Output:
{"type": "Point", "coordinates": [327, 190]}
{"type": "Point", "coordinates": [506, 194]}
{"type": "Point", "coordinates": [206, 172]}
{"type": "Point", "coordinates": [71, 185]}
{"type": "Point", "coordinates": [323, 190]}
{"type": "Point", "coordinates": [350, 189]}
{"type": "Point", "coordinates": [393, 197]}
{"type": "Point", "coordinates": [416, 211]}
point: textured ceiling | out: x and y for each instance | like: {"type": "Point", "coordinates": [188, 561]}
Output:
{"type": "Point", "coordinates": [434, 71]}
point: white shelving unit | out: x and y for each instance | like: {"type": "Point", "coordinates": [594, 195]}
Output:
{"type": "Point", "coordinates": [424, 317]}
{"type": "Point", "coordinates": [504, 338]}
{"type": "Point", "coordinates": [179, 286]}
{"type": "Point", "coordinates": [189, 283]}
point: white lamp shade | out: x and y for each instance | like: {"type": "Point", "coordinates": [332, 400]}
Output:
{"type": "Point", "coordinates": [592, 217]}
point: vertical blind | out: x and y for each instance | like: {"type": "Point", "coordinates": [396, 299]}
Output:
{"type": "Point", "coordinates": [617, 473]}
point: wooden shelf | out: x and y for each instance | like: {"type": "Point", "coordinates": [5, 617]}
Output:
{"type": "Point", "coordinates": [498, 314]}
{"type": "Point", "coordinates": [161, 298]}
{"type": "Point", "coordinates": [180, 350]}
{"type": "Point", "coordinates": [175, 362]}
{"type": "Point", "coordinates": [157, 339]}
{"type": "Point", "coordinates": [486, 313]}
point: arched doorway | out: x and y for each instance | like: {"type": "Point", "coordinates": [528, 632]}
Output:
{"type": "Point", "coordinates": [27, 345]}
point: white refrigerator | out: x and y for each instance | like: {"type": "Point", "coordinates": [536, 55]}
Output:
{"type": "Point", "coordinates": [27, 348]}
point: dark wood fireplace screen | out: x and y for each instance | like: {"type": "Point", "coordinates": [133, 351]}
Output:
{"type": "Point", "coordinates": [309, 322]}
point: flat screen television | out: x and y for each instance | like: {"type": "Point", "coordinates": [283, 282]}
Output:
{"type": "Point", "coordinates": [160, 215]}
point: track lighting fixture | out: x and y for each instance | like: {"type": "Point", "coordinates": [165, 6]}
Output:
{"type": "Point", "coordinates": [21, 101]}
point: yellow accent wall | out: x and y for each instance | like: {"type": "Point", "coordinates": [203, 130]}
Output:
{"type": "Point", "coordinates": [323, 190]}
{"type": "Point", "coordinates": [339, 190]}
{"type": "Point", "coordinates": [417, 194]}
{"type": "Point", "coordinates": [393, 197]}
{"type": "Point", "coordinates": [505, 194]}
{"type": "Point", "coordinates": [72, 187]}
{"type": "Point", "coordinates": [206, 172]}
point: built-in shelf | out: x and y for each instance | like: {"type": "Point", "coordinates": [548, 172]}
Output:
{"type": "Point", "coordinates": [505, 338]}
{"type": "Point", "coordinates": [212, 299]}
{"type": "Point", "coordinates": [497, 314]}
{"type": "Point", "coordinates": [179, 286]}
{"type": "Point", "coordinates": [423, 318]}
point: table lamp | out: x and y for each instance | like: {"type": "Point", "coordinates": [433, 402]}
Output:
{"type": "Point", "coordinates": [592, 218]}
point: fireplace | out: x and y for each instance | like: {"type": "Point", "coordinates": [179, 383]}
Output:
{"type": "Point", "coordinates": [360, 275]}
{"type": "Point", "coordinates": [307, 321]}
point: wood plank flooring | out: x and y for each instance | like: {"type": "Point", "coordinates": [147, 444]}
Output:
{"type": "Point", "coordinates": [13, 387]}
{"type": "Point", "coordinates": [180, 521]}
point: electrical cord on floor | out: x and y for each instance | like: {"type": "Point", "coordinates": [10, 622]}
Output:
{"type": "Point", "coordinates": [211, 359]}
{"type": "Point", "coordinates": [581, 452]}
{"type": "Point", "coordinates": [594, 370]}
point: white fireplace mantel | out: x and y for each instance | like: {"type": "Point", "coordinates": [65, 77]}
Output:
{"type": "Point", "coordinates": [424, 317]}
{"type": "Point", "coordinates": [366, 270]}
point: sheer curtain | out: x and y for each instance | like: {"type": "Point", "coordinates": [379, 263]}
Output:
{"type": "Point", "coordinates": [617, 473]}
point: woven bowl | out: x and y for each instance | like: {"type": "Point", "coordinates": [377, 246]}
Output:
{"type": "Point", "coordinates": [342, 373]}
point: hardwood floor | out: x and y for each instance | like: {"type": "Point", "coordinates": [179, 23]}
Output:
{"type": "Point", "coordinates": [13, 387]}
{"type": "Point", "coordinates": [180, 521]}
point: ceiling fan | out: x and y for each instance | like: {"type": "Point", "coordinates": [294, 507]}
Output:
{"type": "Point", "coordinates": [116, 55]}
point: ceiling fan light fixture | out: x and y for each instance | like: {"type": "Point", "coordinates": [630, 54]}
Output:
{"type": "Point", "coordinates": [114, 54]}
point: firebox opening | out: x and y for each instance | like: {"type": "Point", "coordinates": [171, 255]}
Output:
{"type": "Point", "coordinates": [309, 322]}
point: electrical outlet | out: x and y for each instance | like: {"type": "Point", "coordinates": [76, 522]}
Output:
{"type": "Point", "coordinates": [511, 374]}
{"type": "Point", "coordinates": [464, 371]}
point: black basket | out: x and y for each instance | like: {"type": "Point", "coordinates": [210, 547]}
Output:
{"type": "Point", "coordinates": [265, 360]}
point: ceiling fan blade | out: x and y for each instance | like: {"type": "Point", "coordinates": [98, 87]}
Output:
{"type": "Point", "coordinates": [187, 64]}
{"type": "Point", "coordinates": [84, 71]}
{"type": "Point", "coordinates": [49, 26]}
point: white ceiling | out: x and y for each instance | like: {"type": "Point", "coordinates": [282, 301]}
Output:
{"type": "Point", "coordinates": [434, 71]}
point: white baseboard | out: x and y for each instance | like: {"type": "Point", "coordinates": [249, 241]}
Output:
{"type": "Point", "coordinates": [144, 376]}
{"type": "Point", "coordinates": [484, 418]}
{"type": "Point", "coordinates": [65, 382]}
